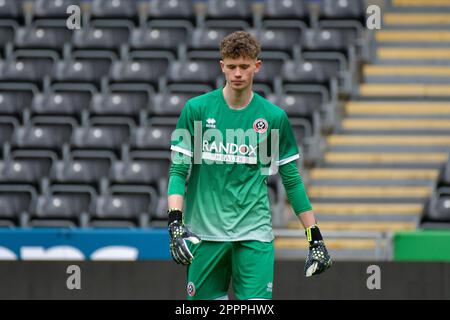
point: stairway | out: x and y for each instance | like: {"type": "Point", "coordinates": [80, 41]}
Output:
{"type": "Point", "coordinates": [384, 158]}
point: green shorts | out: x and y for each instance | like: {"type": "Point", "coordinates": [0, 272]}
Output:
{"type": "Point", "coordinates": [249, 264]}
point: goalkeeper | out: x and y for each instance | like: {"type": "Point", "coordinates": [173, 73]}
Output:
{"type": "Point", "coordinates": [225, 231]}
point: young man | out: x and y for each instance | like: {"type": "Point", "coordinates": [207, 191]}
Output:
{"type": "Point", "coordinates": [219, 143]}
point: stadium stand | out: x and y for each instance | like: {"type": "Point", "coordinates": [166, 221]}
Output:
{"type": "Point", "coordinates": [86, 115]}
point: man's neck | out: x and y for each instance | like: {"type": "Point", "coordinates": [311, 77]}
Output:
{"type": "Point", "coordinates": [237, 99]}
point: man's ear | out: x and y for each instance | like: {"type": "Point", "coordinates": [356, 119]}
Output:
{"type": "Point", "coordinates": [222, 66]}
{"type": "Point", "coordinates": [258, 65]}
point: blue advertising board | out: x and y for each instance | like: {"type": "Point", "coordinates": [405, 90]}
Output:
{"type": "Point", "coordinates": [84, 244]}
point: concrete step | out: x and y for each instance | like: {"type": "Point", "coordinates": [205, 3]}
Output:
{"type": "Point", "coordinates": [385, 158]}
{"type": "Point", "coordinates": [408, 71]}
{"type": "Point", "coordinates": [372, 174]}
{"type": "Point", "coordinates": [413, 53]}
{"type": "Point", "coordinates": [416, 19]}
{"type": "Point", "coordinates": [375, 124]}
{"type": "Point", "coordinates": [403, 140]}
{"type": "Point", "coordinates": [403, 108]}
{"type": "Point", "coordinates": [369, 192]}
{"type": "Point", "coordinates": [427, 36]}
{"type": "Point", "coordinates": [347, 209]}
{"type": "Point", "coordinates": [404, 90]}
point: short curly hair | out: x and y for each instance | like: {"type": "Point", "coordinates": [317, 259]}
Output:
{"type": "Point", "coordinates": [239, 44]}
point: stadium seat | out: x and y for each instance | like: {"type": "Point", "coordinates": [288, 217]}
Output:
{"type": "Point", "coordinates": [141, 170]}
{"type": "Point", "coordinates": [170, 104]}
{"type": "Point", "coordinates": [50, 35]}
{"type": "Point", "coordinates": [124, 206]}
{"type": "Point", "coordinates": [272, 65]}
{"type": "Point", "coordinates": [15, 98]}
{"type": "Point", "coordinates": [342, 9]}
{"type": "Point", "coordinates": [11, 9]}
{"type": "Point", "coordinates": [52, 9]}
{"type": "Point", "coordinates": [83, 167]}
{"type": "Point", "coordinates": [160, 36]}
{"type": "Point", "coordinates": [172, 9]}
{"type": "Point", "coordinates": [102, 35]}
{"type": "Point", "coordinates": [324, 39]}
{"type": "Point", "coordinates": [207, 38]}
{"type": "Point", "coordinates": [436, 214]}
{"type": "Point", "coordinates": [303, 72]}
{"type": "Point", "coordinates": [142, 67]}
{"type": "Point", "coordinates": [84, 67]}
{"type": "Point", "coordinates": [229, 9]}
{"type": "Point", "coordinates": [286, 9]}
{"type": "Point", "coordinates": [105, 135]}
{"type": "Point", "coordinates": [7, 32]}
{"type": "Point", "coordinates": [201, 71]}
{"type": "Point", "coordinates": [119, 103]}
{"type": "Point", "coordinates": [444, 176]}
{"type": "Point", "coordinates": [295, 105]}
{"type": "Point", "coordinates": [15, 200]}
{"type": "Point", "coordinates": [281, 38]}
{"type": "Point", "coordinates": [44, 133]}
{"type": "Point", "coordinates": [110, 9]}
{"type": "Point", "coordinates": [62, 207]}
{"type": "Point", "coordinates": [63, 100]}
{"type": "Point", "coordinates": [7, 127]}
{"type": "Point", "coordinates": [155, 137]}
{"type": "Point", "coordinates": [27, 66]}
{"type": "Point", "coordinates": [27, 168]}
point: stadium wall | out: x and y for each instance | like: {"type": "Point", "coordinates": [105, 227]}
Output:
{"type": "Point", "coordinates": [161, 280]}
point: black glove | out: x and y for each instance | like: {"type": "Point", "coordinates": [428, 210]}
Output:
{"type": "Point", "coordinates": [318, 259]}
{"type": "Point", "coordinates": [179, 233]}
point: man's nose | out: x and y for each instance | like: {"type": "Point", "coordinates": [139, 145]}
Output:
{"type": "Point", "coordinates": [237, 73]}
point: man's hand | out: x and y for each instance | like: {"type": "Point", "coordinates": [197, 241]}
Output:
{"type": "Point", "coordinates": [179, 233]}
{"type": "Point", "coordinates": [318, 259]}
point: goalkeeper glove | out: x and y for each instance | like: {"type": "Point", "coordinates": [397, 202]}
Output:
{"type": "Point", "coordinates": [318, 259]}
{"type": "Point", "coordinates": [178, 234]}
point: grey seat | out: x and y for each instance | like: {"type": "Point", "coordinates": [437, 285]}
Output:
{"type": "Point", "coordinates": [81, 70]}
{"type": "Point", "coordinates": [60, 209]}
{"type": "Point", "coordinates": [147, 171]}
{"type": "Point", "coordinates": [145, 70]}
{"type": "Point", "coordinates": [7, 32]}
{"type": "Point", "coordinates": [7, 128]}
{"type": "Point", "coordinates": [107, 136]}
{"type": "Point", "coordinates": [61, 102]}
{"type": "Point", "coordinates": [44, 133]}
{"type": "Point", "coordinates": [325, 39]}
{"type": "Point", "coordinates": [26, 69]}
{"type": "Point", "coordinates": [124, 9]}
{"type": "Point", "coordinates": [81, 170]}
{"type": "Point", "coordinates": [278, 38]}
{"type": "Point", "coordinates": [342, 9]}
{"type": "Point", "coordinates": [287, 9]}
{"type": "Point", "coordinates": [15, 200]}
{"type": "Point", "coordinates": [158, 38]}
{"type": "Point", "coordinates": [295, 105]}
{"type": "Point", "coordinates": [122, 103]}
{"type": "Point", "coordinates": [174, 9]}
{"type": "Point", "coordinates": [207, 38]}
{"type": "Point", "coordinates": [229, 9]}
{"type": "Point", "coordinates": [124, 208]}
{"type": "Point", "coordinates": [45, 9]}
{"type": "Point", "coordinates": [11, 9]}
{"type": "Point", "coordinates": [101, 37]}
{"type": "Point", "coordinates": [156, 137]}
{"type": "Point", "coordinates": [303, 72]}
{"type": "Point", "coordinates": [170, 104]}
{"type": "Point", "coordinates": [13, 101]}
{"type": "Point", "coordinates": [25, 170]}
{"type": "Point", "coordinates": [194, 71]}
{"type": "Point", "coordinates": [42, 37]}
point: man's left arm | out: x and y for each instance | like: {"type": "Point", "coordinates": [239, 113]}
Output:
{"type": "Point", "coordinates": [318, 259]}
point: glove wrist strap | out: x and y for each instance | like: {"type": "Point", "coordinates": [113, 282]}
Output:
{"type": "Point", "coordinates": [313, 234]}
{"type": "Point", "coordinates": [175, 215]}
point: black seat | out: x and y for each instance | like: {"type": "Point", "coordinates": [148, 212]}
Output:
{"type": "Point", "coordinates": [172, 9]}
{"type": "Point", "coordinates": [25, 170]}
{"type": "Point", "coordinates": [124, 207]}
{"type": "Point", "coordinates": [155, 137]}
{"type": "Point", "coordinates": [61, 102]}
{"type": "Point", "coordinates": [286, 9]}
{"type": "Point", "coordinates": [229, 9]}
{"type": "Point", "coordinates": [15, 200]}
{"type": "Point", "coordinates": [60, 209]}
{"type": "Point", "coordinates": [101, 136]}
{"type": "Point", "coordinates": [342, 9]}
{"type": "Point", "coordinates": [101, 36]}
{"type": "Point", "coordinates": [110, 9]}
{"type": "Point", "coordinates": [42, 37]}
{"type": "Point", "coordinates": [44, 133]}
{"type": "Point", "coordinates": [119, 103]}
{"type": "Point", "coordinates": [53, 9]}
{"type": "Point", "coordinates": [14, 100]}
{"type": "Point", "coordinates": [164, 37]}
{"type": "Point", "coordinates": [82, 168]}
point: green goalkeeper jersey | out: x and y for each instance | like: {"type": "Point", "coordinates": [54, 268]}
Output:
{"type": "Point", "coordinates": [232, 152]}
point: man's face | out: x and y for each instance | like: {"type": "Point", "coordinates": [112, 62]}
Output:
{"type": "Point", "coordinates": [239, 72]}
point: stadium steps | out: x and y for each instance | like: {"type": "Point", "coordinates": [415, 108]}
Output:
{"type": "Point", "coordinates": [383, 159]}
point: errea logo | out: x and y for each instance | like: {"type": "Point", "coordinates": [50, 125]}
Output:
{"type": "Point", "coordinates": [211, 123]}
